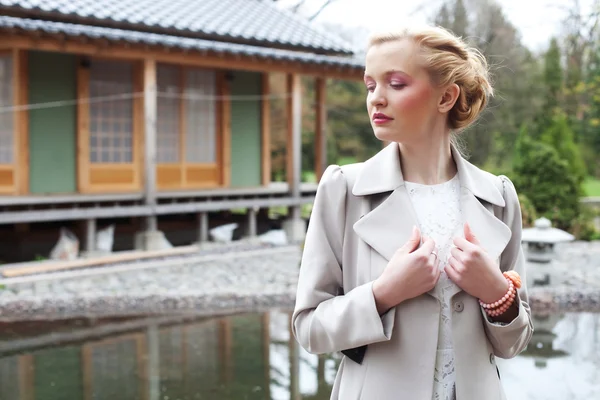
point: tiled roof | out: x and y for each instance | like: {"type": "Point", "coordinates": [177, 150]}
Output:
{"type": "Point", "coordinates": [120, 35]}
{"type": "Point", "coordinates": [255, 22]}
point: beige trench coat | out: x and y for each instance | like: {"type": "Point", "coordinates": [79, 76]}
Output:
{"type": "Point", "coordinates": [353, 232]}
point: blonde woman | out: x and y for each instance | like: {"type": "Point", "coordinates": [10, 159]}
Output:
{"type": "Point", "coordinates": [412, 265]}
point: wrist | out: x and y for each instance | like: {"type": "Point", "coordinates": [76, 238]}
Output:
{"type": "Point", "coordinates": [500, 307]}
{"type": "Point", "coordinates": [496, 292]}
{"type": "Point", "coordinates": [382, 295]}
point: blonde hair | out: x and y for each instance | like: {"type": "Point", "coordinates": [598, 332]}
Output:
{"type": "Point", "coordinates": [448, 59]}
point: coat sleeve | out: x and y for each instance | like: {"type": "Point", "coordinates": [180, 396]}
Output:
{"type": "Point", "coordinates": [325, 319]}
{"type": "Point", "coordinates": [508, 340]}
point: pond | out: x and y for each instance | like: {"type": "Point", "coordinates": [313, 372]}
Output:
{"type": "Point", "coordinates": [248, 356]}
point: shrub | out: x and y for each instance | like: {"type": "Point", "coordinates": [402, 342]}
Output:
{"type": "Point", "coordinates": [528, 212]}
{"type": "Point", "coordinates": [546, 181]}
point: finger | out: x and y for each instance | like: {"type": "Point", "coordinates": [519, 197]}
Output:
{"type": "Point", "coordinates": [427, 247]}
{"type": "Point", "coordinates": [451, 272]}
{"type": "Point", "coordinates": [455, 264]}
{"type": "Point", "coordinates": [469, 235]}
{"type": "Point", "coordinates": [457, 254]}
{"type": "Point", "coordinates": [413, 242]}
{"type": "Point", "coordinates": [463, 244]}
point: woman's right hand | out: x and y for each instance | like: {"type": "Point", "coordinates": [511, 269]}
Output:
{"type": "Point", "coordinates": [412, 271]}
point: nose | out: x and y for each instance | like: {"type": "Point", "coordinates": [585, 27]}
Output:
{"type": "Point", "coordinates": [377, 97]}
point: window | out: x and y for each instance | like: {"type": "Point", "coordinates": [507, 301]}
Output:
{"type": "Point", "coordinates": [168, 113]}
{"type": "Point", "coordinates": [111, 112]}
{"type": "Point", "coordinates": [7, 148]}
{"type": "Point", "coordinates": [200, 116]}
{"type": "Point", "coordinates": [189, 102]}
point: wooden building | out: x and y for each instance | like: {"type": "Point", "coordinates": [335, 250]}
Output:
{"type": "Point", "coordinates": [124, 109]}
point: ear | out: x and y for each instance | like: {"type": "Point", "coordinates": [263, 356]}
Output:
{"type": "Point", "coordinates": [449, 96]}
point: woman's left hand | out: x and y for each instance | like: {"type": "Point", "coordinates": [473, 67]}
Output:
{"type": "Point", "coordinates": [472, 269]}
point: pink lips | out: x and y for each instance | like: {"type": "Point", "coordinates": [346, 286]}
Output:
{"type": "Point", "coordinates": [380, 118]}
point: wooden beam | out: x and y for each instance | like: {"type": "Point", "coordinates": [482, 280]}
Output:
{"type": "Point", "coordinates": [294, 134]}
{"type": "Point", "coordinates": [320, 128]}
{"type": "Point", "coordinates": [21, 118]}
{"type": "Point", "coordinates": [150, 98]}
{"type": "Point", "coordinates": [176, 56]}
{"type": "Point", "coordinates": [266, 130]}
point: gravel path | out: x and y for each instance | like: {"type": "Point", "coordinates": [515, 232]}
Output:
{"type": "Point", "coordinates": [246, 279]}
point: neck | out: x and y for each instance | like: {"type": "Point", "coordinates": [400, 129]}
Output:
{"type": "Point", "coordinates": [427, 162]}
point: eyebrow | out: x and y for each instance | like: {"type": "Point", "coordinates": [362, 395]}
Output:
{"type": "Point", "coordinates": [388, 73]}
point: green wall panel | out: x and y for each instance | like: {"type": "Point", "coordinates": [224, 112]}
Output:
{"type": "Point", "coordinates": [246, 130]}
{"type": "Point", "coordinates": [52, 130]}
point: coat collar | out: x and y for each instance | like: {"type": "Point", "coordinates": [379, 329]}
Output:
{"type": "Point", "coordinates": [383, 173]}
{"type": "Point", "coordinates": [388, 226]}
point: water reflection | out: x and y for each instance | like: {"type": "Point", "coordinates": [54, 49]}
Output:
{"type": "Point", "coordinates": [254, 356]}
{"type": "Point", "coordinates": [562, 360]}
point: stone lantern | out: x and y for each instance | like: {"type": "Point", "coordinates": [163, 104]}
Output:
{"type": "Point", "coordinates": [540, 249]}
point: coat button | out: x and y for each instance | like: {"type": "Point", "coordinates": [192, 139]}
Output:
{"type": "Point", "coordinates": [459, 306]}
{"type": "Point", "coordinates": [492, 358]}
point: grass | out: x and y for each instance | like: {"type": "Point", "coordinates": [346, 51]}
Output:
{"type": "Point", "coordinates": [592, 187]}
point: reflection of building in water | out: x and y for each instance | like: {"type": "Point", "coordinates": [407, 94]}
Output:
{"type": "Point", "coordinates": [541, 346]}
{"type": "Point", "coordinates": [295, 373]}
{"type": "Point", "coordinates": [252, 356]}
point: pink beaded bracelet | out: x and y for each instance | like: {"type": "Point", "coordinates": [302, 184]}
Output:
{"type": "Point", "coordinates": [501, 306]}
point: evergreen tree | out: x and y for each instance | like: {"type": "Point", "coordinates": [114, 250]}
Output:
{"type": "Point", "coordinates": [553, 84]}
{"type": "Point", "coordinates": [460, 19]}
{"type": "Point", "coordinates": [559, 136]}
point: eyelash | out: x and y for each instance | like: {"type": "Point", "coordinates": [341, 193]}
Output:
{"type": "Point", "coordinates": [397, 86]}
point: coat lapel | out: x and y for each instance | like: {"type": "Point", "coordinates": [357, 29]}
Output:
{"type": "Point", "coordinates": [388, 226]}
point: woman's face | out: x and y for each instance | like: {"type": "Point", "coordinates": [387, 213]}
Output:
{"type": "Point", "coordinates": [401, 100]}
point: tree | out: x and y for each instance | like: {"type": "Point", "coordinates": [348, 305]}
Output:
{"type": "Point", "coordinates": [553, 87]}
{"type": "Point", "coordinates": [515, 75]}
{"type": "Point", "coordinates": [543, 178]}
{"type": "Point", "coordinates": [559, 136]}
{"type": "Point", "coordinates": [460, 19]}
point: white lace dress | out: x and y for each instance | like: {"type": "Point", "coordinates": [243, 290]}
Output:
{"type": "Point", "coordinates": [438, 213]}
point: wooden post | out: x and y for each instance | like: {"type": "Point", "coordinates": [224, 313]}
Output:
{"type": "Point", "coordinates": [251, 214]}
{"type": "Point", "coordinates": [21, 124]}
{"type": "Point", "coordinates": [90, 230]}
{"type": "Point", "coordinates": [266, 130]}
{"type": "Point", "coordinates": [150, 139]}
{"type": "Point", "coordinates": [224, 123]}
{"type": "Point", "coordinates": [320, 128]}
{"type": "Point", "coordinates": [294, 135]}
{"type": "Point", "coordinates": [203, 227]}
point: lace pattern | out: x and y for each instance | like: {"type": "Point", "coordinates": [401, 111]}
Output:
{"type": "Point", "coordinates": [439, 216]}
